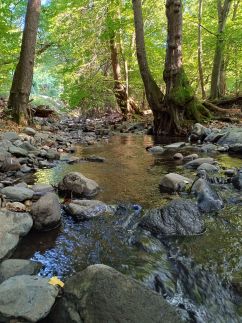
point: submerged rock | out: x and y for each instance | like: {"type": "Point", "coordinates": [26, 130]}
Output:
{"type": "Point", "coordinates": [28, 298]}
{"type": "Point", "coordinates": [46, 212]}
{"type": "Point", "coordinates": [173, 182]}
{"type": "Point", "coordinates": [78, 184]}
{"type": "Point", "coordinates": [156, 150]}
{"type": "Point", "coordinates": [16, 267]}
{"type": "Point", "coordinates": [87, 209]}
{"type": "Point", "coordinates": [179, 217]}
{"type": "Point", "coordinates": [102, 294]}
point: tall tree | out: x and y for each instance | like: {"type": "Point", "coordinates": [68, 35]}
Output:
{"type": "Point", "coordinates": [200, 50]}
{"type": "Point", "coordinates": [23, 75]}
{"type": "Point", "coordinates": [223, 8]}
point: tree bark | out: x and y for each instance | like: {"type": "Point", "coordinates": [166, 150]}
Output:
{"type": "Point", "coordinates": [153, 93]}
{"type": "Point", "coordinates": [23, 75]}
{"type": "Point", "coordinates": [223, 11]}
{"type": "Point", "coordinates": [200, 50]}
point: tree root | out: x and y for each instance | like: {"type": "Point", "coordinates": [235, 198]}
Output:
{"type": "Point", "coordinates": [214, 108]}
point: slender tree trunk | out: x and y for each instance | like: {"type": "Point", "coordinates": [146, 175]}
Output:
{"type": "Point", "coordinates": [154, 95]}
{"type": "Point", "coordinates": [200, 50]}
{"type": "Point", "coordinates": [223, 11]}
{"type": "Point", "coordinates": [23, 76]}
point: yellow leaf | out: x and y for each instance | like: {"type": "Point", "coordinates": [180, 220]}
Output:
{"type": "Point", "coordinates": [56, 281]}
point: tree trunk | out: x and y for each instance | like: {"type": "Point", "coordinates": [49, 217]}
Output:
{"type": "Point", "coordinates": [200, 50]}
{"type": "Point", "coordinates": [23, 75]}
{"type": "Point", "coordinates": [154, 95]}
{"type": "Point", "coordinates": [223, 11]}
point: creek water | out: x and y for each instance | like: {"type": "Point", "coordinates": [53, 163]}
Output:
{"type": "Point", "coordinates": [196, 272]}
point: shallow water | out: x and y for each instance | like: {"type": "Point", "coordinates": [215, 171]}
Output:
{"type": "Point", "coordinates": [131, 175]}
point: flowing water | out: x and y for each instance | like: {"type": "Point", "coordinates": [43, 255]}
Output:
{"type": "Point", "coordinates": [195, 272]}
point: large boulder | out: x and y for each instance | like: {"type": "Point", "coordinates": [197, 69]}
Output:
{"type": "Point", "coordinates": [12, 227]}
{"type": "Point", "coordinates": [78, 184]}
{"type": "Point", "coordinates": [101, 294]}
{"type": "Point", "coordinates": [179, 217]}
{"type": "Point", "coordinates": [46, 212]}
{"type": "Point", "coordinates": [16, 267]}
{"type": "Point", "coordinates": [231, 137]}
{"type": "Point", "coordinates": [26, 298]}
{"type": "Point", "coordinates": [173, 182]}
{"type": "Point", "coordinates": [87, 209]}
{"type": "Point", "coordinates": [17, 194]}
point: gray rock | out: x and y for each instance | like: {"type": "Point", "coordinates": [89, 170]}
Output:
{"type": "Point", "coordinates": [178, 156]}
{"type": "Point", "coordinates": [207, 148]}
{"type": "Point", "coordinates": [17, 194]}
{"type": "Point", "coordinates": [87, 209]}
{"type": "Point", "coordinates": [12, 226]}
{"type": "Point", "coordinates": [77, 183]}
{"type": "Point", "coordinates": [194, 164]}
{"type": "Point", "coordinates": [52, 154]}
{"type": "Point", "coordinates": [28, 298]}
{"type": "Point", "coordinates": [102, 294]}
{"type": "Point", "coordinates": [11, 136]}
{"type": "Point", "coordinates": [29, 131]}
{"type": "Point", "coordinates": [179, 217]}
{"type": "Point", "coordinates": [232, 136]}
{"type": "Point", "coordinates": [235, 148]}
{"type": "Point", "coordinates": [16, 267]}
{"type": "Point", "coordinates": [46, 212]}
{"type": "Point", "coordinates": [230, 172]}
{"type": "Point", "coordinates": [28, 147]}
{"type": "Point", "coordinates": [175, 145]}
{"type": "Point", "coordinates": [199, 132]}
{"type": "Point", "coordinates": [208, 168]}
{"type": "Point", "coordinates": [156, 150]}
{"type": "Point", "coordinates": [207, 198]}
{"type": "Point", "coordinates": [9, 164]}
{"type": "Point", "coordinates": [18, 152]}
{"type": "Point", "coordinates": [173, 182]}
{"type": "Point", "coordinates": [42, 189]}
{"type": "Point", "coordinates": [237, 180]}
{"type": "Point", "coordinates": [25, 169]}
{"type": "Point", "coordinates": [190, 157]}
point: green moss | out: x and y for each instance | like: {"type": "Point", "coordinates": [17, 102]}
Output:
{"type": "Point", "coordinates": [196, 111]}
{"type": "Point", "coordinates": [182, 92]}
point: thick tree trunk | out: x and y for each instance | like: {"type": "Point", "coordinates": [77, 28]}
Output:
{"type": "Point", "coordinates": [223, 11]}
{"type": "Point", "coordinates": [23, 76]}
{"type": "Point", "coordinates": [200, 50]}
{"type": "Point", "coordinates": [154, 95]}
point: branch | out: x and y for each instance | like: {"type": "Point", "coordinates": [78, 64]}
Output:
{"type": "Point", "coordinates": [214, 108]}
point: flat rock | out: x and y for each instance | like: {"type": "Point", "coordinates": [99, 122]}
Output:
{"type": "Point", "coordinates": [10, 135]}
{"type": "Point", "coordinates": [102, 294]}
{"type": "Point", "coordinates": [173, 182]}
{"type": "Point", "coordinates": [208, 168]}
{"type": "Point", "coordinates": [16, 207]}
{"type": "Point", "coordinates": [87, 209]}
{"type": "Point", "coordinates": [17, 194]}
{"type": "Point", "coordinates": [16, 267]}
{"type": "Point", "coordinates": [27, 298]}
{"type": "Point", "coordinates": [156, 150]}
{"type": "Point", "coordinates": [18, 152]}
{"type": "Point", "coordinates": [194, 164]}
{"type": "Point", "coordinates": [175, 145]}
{"type": "Point", "coordinates": [42, 189]}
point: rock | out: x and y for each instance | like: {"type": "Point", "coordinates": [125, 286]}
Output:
{"type": "Point", "coordinates": [25, 169]}
{"type": "Point", "coordinates": [16, 267]}
{"type": "Point", "coordinates": [208, 168]}
{"type": "Point", "coordinates": [207, 199]}
{"type": "Point", "coordinates": [223, 149]}
{"type": "Point", "coordinates": [46, 212]}
{"type": "Point", "coordinates": [16, 207]}
{"type": "Point", "coordinates": [42, 189]}
{"type": "Point", "coordinates": [52, 154]}
{"type": "Point", "coordinates": [28, 147]}
{"type": "Point", "coordinates": [95, 159]}
{"type": "Point", "coordinates": [11, 136]}
{"type": "Point", "coordinates": [12, 226]}
{"type": "Point", "coordinates": [237, 180]}
{"type": "Point", "coordinates": [190, 157]}
{"type": "Point", "coordinates": [199, 132]}
{"type": "Point", "coordinates": [17, 194]}
{"type": "Point", "coordinates": [232, 136]}
{"type": "Point", "coordinates": [178, 156]}
{"type": "Point", "coordinates": [215, 135]}
{"type": "Point", "coordinates": [18, 152]}
{"type": "Point", "coordinates": [175, 145]}
{"type": "Point", "coordinates": [194, 164]}
{"type": "Point", "coordinates": [156, 150]}
{"type": "Point", "coordinates": [78, 184]}
{"type": "Point", "coordinates": [87, 209]}
{"type": "Point", "coordinates": [230, 172]}
{"type": "Point", "coordinates": [29, 131]}
{"type": "Point", "coordinates": [235, 148]}
{"type": "Point", "coordinates": [173, 182]}
{"type": "Point", "coordinates": [102, 294]}
{"type": "Point", "coordinates": [28, 298]}
{"type": "Point", "coordinates": [9, 164]}
{"type": "Point", "coordinates": [179, 217]}
{"type": "Point", "coordinates": [208, 148]}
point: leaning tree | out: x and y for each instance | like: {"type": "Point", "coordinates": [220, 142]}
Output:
{"type": "Point", "coordinates": [178, 104]}
{"type": "Point", "coordinates": [23, 76]}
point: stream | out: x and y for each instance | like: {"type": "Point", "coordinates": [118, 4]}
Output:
{"type": "Point", "coordinates": [195, 271]}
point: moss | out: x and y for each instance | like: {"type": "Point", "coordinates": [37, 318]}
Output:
{"type": "Point", "coordinates": [195, 110]}
{"type": "Point", "coordinates": [182, 92]}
